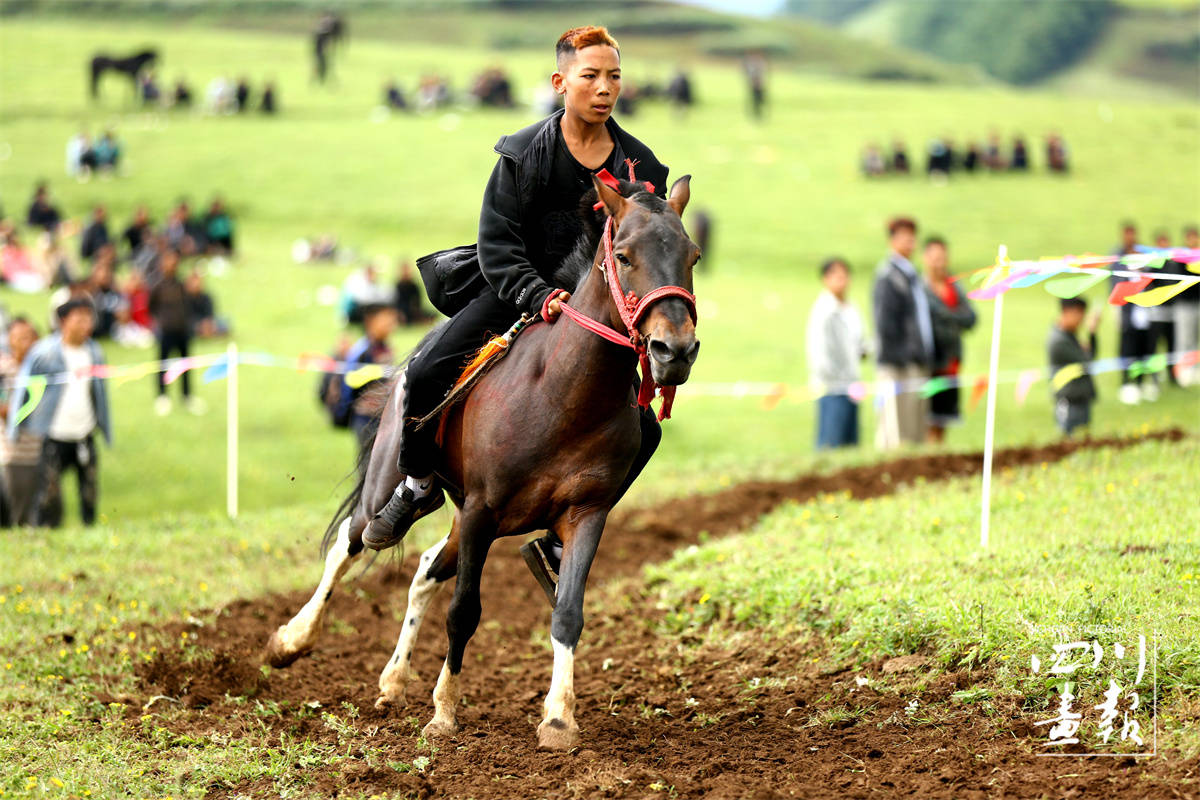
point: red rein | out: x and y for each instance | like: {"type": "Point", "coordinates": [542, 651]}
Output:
{"type": "Point", "coordinates": [631, 310]}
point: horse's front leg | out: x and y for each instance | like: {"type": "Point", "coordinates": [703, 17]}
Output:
{"type": "Point", "coordinates": [438, 564]}
{"type": "Point", "coordinates": [558, 730]}
{"type": "Point", "coordinates": [297, 637]}
{"type": "Point", "coordinates": [475, 535]}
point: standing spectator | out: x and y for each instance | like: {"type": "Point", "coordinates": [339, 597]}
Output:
{"type": "Point", "coordinates": [95, 235]}
{"type": "Point", "coordinates": [408, 296]}
{"type": "Point", "coordinates": [951, 314]}
{"type": "Point", "coordinates": [19, 456]}
{"type": "Point", "coordinates": [1162, 317]}
{"type": "Point", "coordinates": [138, 230]}
{"type": "Point", "coordinates": [1056, 153]}
{"type": "Point", "coordinates": [1135, 332]}
{"type": "Point", "coordinates": [172, 318]}
{"type": "Point", "coordinates": [835, 345]}
{"type": "Point", "coordinates": [1020, 155]}
{"type": "Point", "coordinates": [241, 95]}
{"type": "Point", "coordinates": [357, 407]}
{"type": "Point", "coordinates": [904, 331]}
{"type": "Point", "coordinates": [1072, 399]}
{"type": "Point", "coordinates": [267, 106]}
{"type": "Point", "coordinates": [900, 163]}
{"type": "Point", "coordinates": [756, 78]}
{"type": "Point", "coordinates": [1187, 310]}
{"type": "Point", "coordinates": [42, 214]}
{"type": "Point", "coordinates": [218, 228]}
{"type": "Point", "coordinates": [68, 415]}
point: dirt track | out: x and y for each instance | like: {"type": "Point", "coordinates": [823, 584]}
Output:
{"type": "Point", "coordinates": [654, 723]}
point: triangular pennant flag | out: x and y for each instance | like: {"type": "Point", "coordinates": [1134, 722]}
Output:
{"type": "Point", "coordinates": [937, 384]}
{"type": "Point", "coordinates": [774, 396]}
{"type": "Point", "coordinates": [315, 361]}
{"type": "Point", "coordinates": [1025, 382]}
{"type": "Point", "coordinates": [1186, 361]}
{"type": "Point", "coordinates": [178, 368]}
{"type": "Point", "coordinates": [217, 371]}
{"type": "Point", "coordinates": [356, 379]}
{"type": "Point", "coordinates": [1124, 289]}
{"type": "Point", "coordinates": [1161, 294]}
{"type": "Point", "coordinates": [135, 371]}
{"type": "Point", "coordinates": [977, 392]}
{"type": "Point", "coordinates": [1074, 285]}
{"type": "Point", "coordinates": [34, 391]}
{"type": "Point", "coordinates": [1037, 277]}
{"type": "Point", "coordinates": [1065, 375]}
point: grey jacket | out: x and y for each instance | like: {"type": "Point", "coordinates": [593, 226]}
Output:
{"type": "Point", "coordinates": [46, 358]}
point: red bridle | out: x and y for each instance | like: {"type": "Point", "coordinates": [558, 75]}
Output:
{"type": "Point", "coordinates": [632, 309]}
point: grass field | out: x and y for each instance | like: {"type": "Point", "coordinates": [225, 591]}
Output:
{"type": "Point", "coordinates": [1106, 538]}
{"type": "Point", "coordinates": [784, 195]}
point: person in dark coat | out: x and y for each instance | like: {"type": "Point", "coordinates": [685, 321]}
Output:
{"type": "Point", "coordinates": [905, 346]}
{"type": "Point", "coordinates": [951, 314]}
{"type": "Point", "coordinates": [1073, 393]}
{"type": "Point", "coordinates": [139, 230]}
{"type": "Point", "coordinates": [171, 309]}
{"type": "Point", "coordinates": [95, 235]}
{"type": "Point", "coordinates": [528, 224]}
{"type": "Point", "coordinates": [42, 214]}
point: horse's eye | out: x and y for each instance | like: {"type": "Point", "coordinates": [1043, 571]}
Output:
{"type": "Point", "coordinates": [622, 260]}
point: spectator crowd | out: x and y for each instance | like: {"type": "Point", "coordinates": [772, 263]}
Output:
{"type": "Point", "coordinates": [943, 157]}
{"type": "Point", "coordinates": [920, 316]}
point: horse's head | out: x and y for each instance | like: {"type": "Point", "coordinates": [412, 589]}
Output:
{"type": "Point", "coordinates": [651, 250]}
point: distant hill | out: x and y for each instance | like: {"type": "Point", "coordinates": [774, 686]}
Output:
{"type": "Point", "coordinates": [1096, 44]}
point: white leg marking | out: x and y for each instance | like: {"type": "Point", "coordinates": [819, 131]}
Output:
{"type": "Point", "coordinates": [445, 706]}
{"type": "Point", "coordinates": [558, 730]}
{"type": "Point", "coordinates": [399, 673]}
{"type": "Point", "coordinates": [302, 631]}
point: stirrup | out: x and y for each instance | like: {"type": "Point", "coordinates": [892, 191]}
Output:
{"type": "Point", "coordinates": [539, 565]}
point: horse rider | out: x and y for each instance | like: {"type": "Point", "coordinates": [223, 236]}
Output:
{"type": "Point", "coordinates": [528, 224]}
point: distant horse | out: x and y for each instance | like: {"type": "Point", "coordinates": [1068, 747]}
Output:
{"type": "Point", "coordinates": [131, 66]}
{"type": "Point", "coordinates": [545, 440]}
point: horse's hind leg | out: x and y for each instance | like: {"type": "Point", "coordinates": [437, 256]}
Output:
{"type": "Point", "coordinates": [297, 637]}
{"type": "Point", "coordinates": [438, 564]}
{"type": "Point", "coordinates": [462, 619]}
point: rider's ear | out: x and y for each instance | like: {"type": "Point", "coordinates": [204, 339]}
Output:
{"type": "Point", "coordinates": [614, 203]}
{"type": "Point", "coordinates": [680, 194]}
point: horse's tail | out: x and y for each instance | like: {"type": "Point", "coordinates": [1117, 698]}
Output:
{"type": "Point", "coordinates": [364, 452]}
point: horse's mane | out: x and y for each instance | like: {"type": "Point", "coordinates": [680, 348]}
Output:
{"type": "Point", "coordinates": [575, 266]}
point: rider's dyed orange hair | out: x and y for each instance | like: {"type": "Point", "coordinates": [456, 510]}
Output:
{"type": "Point", "coordinates": [578, 38]}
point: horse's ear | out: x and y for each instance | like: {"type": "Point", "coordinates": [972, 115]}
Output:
{"type": "Point", "coordinates": [681, 192]}
{"type": "Point", "coordinates": [614, 203]}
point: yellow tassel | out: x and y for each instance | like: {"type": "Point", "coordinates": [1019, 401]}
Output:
{"type": "Point", "coordinates": [485, 354]}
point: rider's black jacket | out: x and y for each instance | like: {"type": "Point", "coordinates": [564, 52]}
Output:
{"type": "Point", "coordinates": [511, 255]}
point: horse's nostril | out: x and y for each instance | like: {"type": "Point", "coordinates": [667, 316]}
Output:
{"type": "Point", "coordinates": [692, 352]}
{"type": "Point", "coordinates": [661, 351]}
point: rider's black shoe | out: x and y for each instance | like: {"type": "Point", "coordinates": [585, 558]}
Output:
{"type": "Point", "coordinates": [403, 508]}
{"type": "Point", "coordinates": [544, 564]}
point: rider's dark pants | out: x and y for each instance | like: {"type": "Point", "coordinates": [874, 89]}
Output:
{"type": "Point", "coordinates": [433, 370]}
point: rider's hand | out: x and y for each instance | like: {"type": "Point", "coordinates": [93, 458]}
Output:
{"type": "Point", "coordinates": [554, 308]}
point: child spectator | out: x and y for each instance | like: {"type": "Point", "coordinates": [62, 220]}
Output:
{"type": "Point", "coordinates": [835, 346]}
{"type": "Point", "coordinates": [19, 456]}
{"type": "Point", "coordinates": [172, 317]}
{"type": "Point", "coordinates": [1072, 398]}
{"type": "Point", "coordinates": [356, 407]}
{"type": "Point", "coordinates": [68, 414]}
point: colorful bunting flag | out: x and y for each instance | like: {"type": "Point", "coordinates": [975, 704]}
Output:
{"type": "Point", "coordinates": [1161, 294]}
{"type": "Point", "coordinates": [977, 392]}
{"type": "Point", "coordinates": [33, 391]}
{"type": "Point", "coordinates": [1124, 289]}
{"type": "Point", "coordinates": [356, 379]}
{"type": "Point", "coordinates": [1074, 285]}
{"type": "Point", "coordinates": [1025, 382]}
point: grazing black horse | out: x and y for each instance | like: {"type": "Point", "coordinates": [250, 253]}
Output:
{"type": "Point", "coordinates": [131, 66]}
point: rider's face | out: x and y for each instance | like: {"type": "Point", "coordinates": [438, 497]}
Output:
{"type": "Point", "coordinates": [590, 83]}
